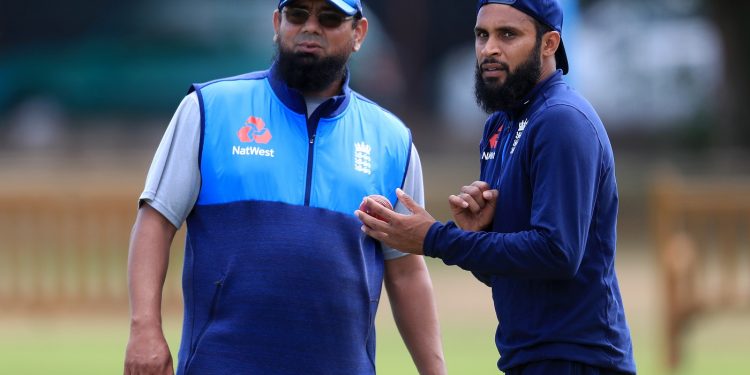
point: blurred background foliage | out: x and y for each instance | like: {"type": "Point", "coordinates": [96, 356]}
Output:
{"type": "Point", "coordinates": [667, 73]}
{"type": "Point", "coordinates": [88, 87]}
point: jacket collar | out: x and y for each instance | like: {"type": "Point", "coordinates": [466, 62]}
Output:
{"type": "Point", "coordinates": [537, 92]}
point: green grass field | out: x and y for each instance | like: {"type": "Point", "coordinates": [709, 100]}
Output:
{"type": "Point", "coordinates": [95, 346]}
{"type": "Point", "coordinates": [93, 343]}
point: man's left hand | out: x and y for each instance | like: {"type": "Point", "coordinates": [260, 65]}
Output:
{"type": "Point", "coordinates": [402, 232]}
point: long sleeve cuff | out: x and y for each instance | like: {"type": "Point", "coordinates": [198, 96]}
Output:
{"type": "Point", "coordinates": [430, 241]}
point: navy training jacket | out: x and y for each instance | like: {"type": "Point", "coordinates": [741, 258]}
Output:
{"type": "Point", "coordinates": [550, 254]}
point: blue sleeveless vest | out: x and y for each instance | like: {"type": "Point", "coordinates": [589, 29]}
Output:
{"type": "Point", "coordinates": [278, 278]}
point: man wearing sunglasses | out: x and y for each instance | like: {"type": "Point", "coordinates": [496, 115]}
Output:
{"type": "Point", "coordinates": [540, 225]}
{"type": "Point", "coordinates": [266, 169]}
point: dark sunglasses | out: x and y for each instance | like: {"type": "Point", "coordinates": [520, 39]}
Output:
{"type": "Point", "coordinates": [326, 18]}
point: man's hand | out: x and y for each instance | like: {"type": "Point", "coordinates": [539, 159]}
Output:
{"type": "Point", "coordinates": [474, 208]}
{"type": "Point", "coordinates": [401, 232]}
{"type": "Point", "coordinates": [148, 352]}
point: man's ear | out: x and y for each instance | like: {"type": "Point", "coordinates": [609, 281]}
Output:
{"type": "Point", "coordinates": [550, 43]}
{"type": "Point", "coordinates": [360, 32]}
{"type": "Point", "coordinates": [276, 24]}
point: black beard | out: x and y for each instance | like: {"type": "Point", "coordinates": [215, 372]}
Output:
{"type": "Point", "coordinates": [493, 97]}
{"type": "Point", "coordinates": [307, 72]}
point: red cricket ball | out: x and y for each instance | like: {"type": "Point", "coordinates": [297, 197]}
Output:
{"type": "Point", "coordinates": [377, 198]}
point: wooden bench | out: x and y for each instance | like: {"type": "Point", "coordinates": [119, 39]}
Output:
{"type": "Point", "coordinates": [702, 232]}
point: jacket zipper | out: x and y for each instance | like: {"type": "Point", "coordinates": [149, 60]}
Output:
{"type": "Point", "coordinates": [312, 127]}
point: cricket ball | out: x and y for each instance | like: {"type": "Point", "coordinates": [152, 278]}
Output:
{"type": "Point", "coordinates": [377, 198]}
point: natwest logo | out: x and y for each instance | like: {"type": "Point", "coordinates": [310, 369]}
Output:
{"type": "Point", "coordinates": [490, 154]}
{"type": "Point", "coordinates": [254, 131]}
{"type": "Point", "coordinates": [253, 151]}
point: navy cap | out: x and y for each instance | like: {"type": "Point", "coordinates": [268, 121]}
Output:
{"type": "Point", "coordinates": [548, 12]}
{"type": "Point", "coordinates": [349, 7]}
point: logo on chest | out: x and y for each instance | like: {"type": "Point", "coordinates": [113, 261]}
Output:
{"type": "Point", "coordinates": [254, 131]}
{"type": "Point", "coordinates": [362, 158]}
{"type": "Point", "coordinates": [519, 133]}
{"type": "Point", "coordinates": [490, 154]}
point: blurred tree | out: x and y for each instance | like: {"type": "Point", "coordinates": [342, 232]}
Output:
{"type": "Point", "coordinates": [424, 31]}
{"type": "Point", "coordinates": [22, 22]}
{"type": "Point", "coordinates": [733, 127]}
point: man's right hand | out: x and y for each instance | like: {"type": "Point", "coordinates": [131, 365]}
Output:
{"type": "Point", "coordinates": [148, 353]}
{"type": "Point", "coordinates": [474, 208]}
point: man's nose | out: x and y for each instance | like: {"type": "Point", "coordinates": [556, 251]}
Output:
{"type": "Point", "coordinates": [312, 24]}
{"type": "Point", "coordinates": [491, 48]}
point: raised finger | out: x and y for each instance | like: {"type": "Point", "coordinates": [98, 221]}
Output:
{"type": "Point", "coordinates": [408, 201]}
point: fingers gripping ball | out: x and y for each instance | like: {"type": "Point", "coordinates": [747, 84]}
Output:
{"type": "Point", "coordinates": [377, 198]}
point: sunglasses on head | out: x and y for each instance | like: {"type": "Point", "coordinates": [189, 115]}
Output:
{"type": "Point", "coordinates": [327, 18]}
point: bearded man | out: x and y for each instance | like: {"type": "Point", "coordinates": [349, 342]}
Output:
{"type": "Point", "coordinates": [540, 225]}
{"type": "Point", "coordinates": [267, 169]}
